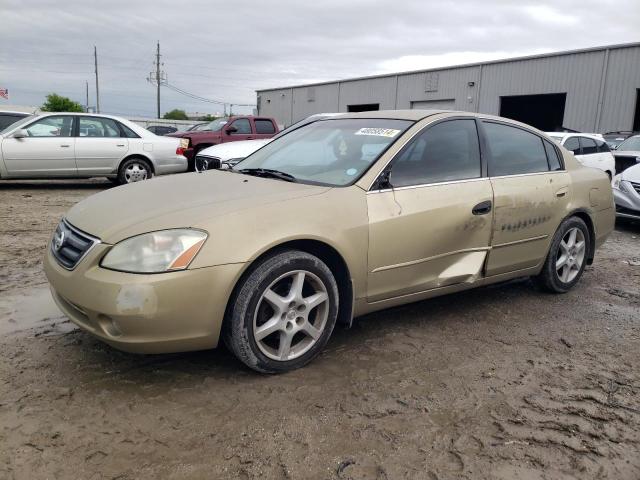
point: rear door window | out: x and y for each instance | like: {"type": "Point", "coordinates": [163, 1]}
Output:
{"type": "Point", "coordinates": [264, 126]}
{"type": "Point", "coordinates": [98, 127]}
{"type": "Point", "coordinates": [603, 147]}
{"type": "Point", "coordinates": [514, 151]}
{"type": "Point", "coordinates": [447, 151]}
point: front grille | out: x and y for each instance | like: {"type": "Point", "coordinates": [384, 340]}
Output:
{"type": "Point", "coordinates": [69, 245]}
{"type": "Point", "coordinates": [636, 186]}
{"type": "Point", "coordinates": [213, 163]}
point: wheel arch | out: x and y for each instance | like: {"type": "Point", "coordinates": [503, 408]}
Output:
{"type": "Point", "coordinates": [139, 156]}
{"type": "Point", "coordinates": [325, 252]}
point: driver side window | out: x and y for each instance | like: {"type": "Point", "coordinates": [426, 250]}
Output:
{"type": "Point", "coordinates": [447, 151]}
{"type": "Point", "coordinates": [243, 127]}
{"type": "Point", "coordinates": [61, 126]}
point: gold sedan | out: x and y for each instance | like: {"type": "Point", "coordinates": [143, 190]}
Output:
{"type": "Point", "coordinates": [338, 218]}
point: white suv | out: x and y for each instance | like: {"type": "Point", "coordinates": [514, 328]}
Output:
{"type": "Point", "coordinates": [590, 150]}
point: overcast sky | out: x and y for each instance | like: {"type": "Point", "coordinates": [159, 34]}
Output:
{"type": "Point", "coordinates": [225, 50]}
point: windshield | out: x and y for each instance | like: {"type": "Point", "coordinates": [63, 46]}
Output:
{"type": "Point", "coordinates": [20, 122]}
{"type": "Point", "coordinates": [331, 152]}
{"type": "Point", "coordinates": [630, 144]}
{"type": "Point", "coordinates": [216, 125]}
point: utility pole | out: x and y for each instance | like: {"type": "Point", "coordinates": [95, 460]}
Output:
{"type": "Point", "coordinates": [87, 102]}
{"type": "Point", "coordinates": [158, 75]}
{"type": "Point", "coordinates": [95, 58]}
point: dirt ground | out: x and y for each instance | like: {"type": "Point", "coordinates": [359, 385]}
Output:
{"type": "Point", "coordinates": [501, 382]}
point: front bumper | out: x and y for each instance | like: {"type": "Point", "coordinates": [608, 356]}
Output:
{"type": "Point", "coordinates": [627, 202]}
{"type": "Point", "coordinates": [161, 313]}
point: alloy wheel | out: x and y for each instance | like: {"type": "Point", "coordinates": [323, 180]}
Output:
{"type": "Point", "coordinates": [135, 173]}
{"type": "Point", "coordinates": [291, 315]}
{"type": "Point", "coordinates": [571, 253]}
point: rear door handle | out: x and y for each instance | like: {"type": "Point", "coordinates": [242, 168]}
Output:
{"type": "Point", "coordinates": [120, 145]}
{"type": "Point", "coordinates": [482, 208]}
{"type": "Point", "coordinates": [562, 192]}
{"type": "Point", "coordinates": [65, 146]}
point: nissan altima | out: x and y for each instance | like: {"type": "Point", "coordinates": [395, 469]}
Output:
{"type": "Point", "coordinates": [341, 217]}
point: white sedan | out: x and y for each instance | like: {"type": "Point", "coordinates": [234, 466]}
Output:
{"type": "Point", "coordinates": [589, 149]}
{"type": "Point", "coordinates": [71, 145]}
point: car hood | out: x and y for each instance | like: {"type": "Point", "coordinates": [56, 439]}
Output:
{"type": "Point", "coordinates": [178, 201]}
{"type": "Point", "coordinates": [632, 174]}
{"type": "Point", "coordinates": [191, 134]}
{"type": "Point", "coordinates": [240, 149]}
{"type": "Point", "coordinates": [627, 153]}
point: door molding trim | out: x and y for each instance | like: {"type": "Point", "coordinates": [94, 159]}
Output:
{"type": "Point", "coordinates": [427, 259]}
{"type": "Point", "coordinates": [524, 240]}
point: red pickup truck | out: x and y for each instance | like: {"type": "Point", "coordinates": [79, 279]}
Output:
{"type": "Point", "coordinates": [226, 129]}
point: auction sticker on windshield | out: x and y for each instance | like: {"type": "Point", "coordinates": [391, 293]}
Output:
{"type": "Point", "coordinates": [378, 132]}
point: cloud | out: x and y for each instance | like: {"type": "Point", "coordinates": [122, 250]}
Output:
{"type": "Point", "coordinates": [226, 50]}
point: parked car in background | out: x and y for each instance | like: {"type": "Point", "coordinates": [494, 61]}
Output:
{"type": "Point", "coordinates": [162, 129]}
{"type": "Point", "coordinates": [384, 208]}
{"type": "Point", "coordinates": [226, 129]}
{"type": "Point", "coordinates": [614, 139]}
{"type": "Point", "coordinates": [71, 145]}
{"type": "Point", "coordinates": [7, 118]}
{"type": "Point", "coordinates": [626, 192]}
{"type": "Point", "coordinates": [590, 149]}
{"type": "Point", "coordinates": [628, 153]}
{"type": "Point", "coordinates": [228, 154]}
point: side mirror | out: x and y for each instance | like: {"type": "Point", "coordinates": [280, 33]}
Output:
{"type": "Point", "coordinates": [231, 130]}
{"type": "Point", "coordinates": [21, 133]}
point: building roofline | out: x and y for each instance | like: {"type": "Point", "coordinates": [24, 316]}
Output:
{"type": "Point", "coordinates": [463, 65]}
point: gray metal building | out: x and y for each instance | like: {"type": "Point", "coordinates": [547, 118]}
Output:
{"type": "Point", "coordinates": [589, 90]}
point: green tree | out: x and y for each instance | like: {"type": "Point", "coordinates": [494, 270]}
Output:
{"type": "Point", "coordinates": [176, 114]}
{"type": "Point", "coordinates": [207, 118]}
{"type": "Point", "coordinates": [58, 103]}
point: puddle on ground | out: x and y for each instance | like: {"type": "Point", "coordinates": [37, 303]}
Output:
{"type": "Point", "coordinates": [32, 308]}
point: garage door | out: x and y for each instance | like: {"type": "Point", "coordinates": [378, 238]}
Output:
{"type": "Point", "coordinates": [449, 104]}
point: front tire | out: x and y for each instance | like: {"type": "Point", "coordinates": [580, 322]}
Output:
{"type": "Point", "coordinates": [567, 257]}
{"type": "Point", "coordinates": [283, 313]}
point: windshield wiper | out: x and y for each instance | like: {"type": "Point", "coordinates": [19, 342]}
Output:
{"type": "Point", "coordinates": [267, 172]}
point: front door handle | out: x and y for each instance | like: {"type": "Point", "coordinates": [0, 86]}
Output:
{"type": "Point", "coordinates": [120, 145]}
{"type": "Point", "coordinates": [482, 208]}
{"type": "Point", "coordinates": [65, 146]}
{"type": "Point", "coordinates": [562, 192]}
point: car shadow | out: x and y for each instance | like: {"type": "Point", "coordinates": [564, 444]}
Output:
{"type": "Point", "coordinates": [220, 365]}
{"type": "Point", "coordinates": [54, 184]}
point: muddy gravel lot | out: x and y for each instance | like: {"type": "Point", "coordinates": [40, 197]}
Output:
{"type": "Point", "coordinates": [501, 382]}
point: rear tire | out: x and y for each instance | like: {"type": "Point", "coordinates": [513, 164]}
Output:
{"type": "Point", "coordinates": [283, 312]}
{"type": "Point", "coordinates": [567, 257]}
{"type": "Point", "coordinates": [134, 170]}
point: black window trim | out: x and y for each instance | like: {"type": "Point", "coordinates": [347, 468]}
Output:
{"type": "Point", "coordinates": [375, 186]}
{"type": "Point", "coordinates": [520, 127]}
{"type": "Point", "coordinates": [580, 138]}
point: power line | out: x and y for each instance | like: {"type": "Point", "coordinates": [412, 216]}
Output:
{"type": "Point", "coordinates": [204, 99]}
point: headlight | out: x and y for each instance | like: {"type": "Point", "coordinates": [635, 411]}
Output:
{"type": "Point", "coordinates": [618, 183]}
{"type": "Point", "coordinates": [155, 252]}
